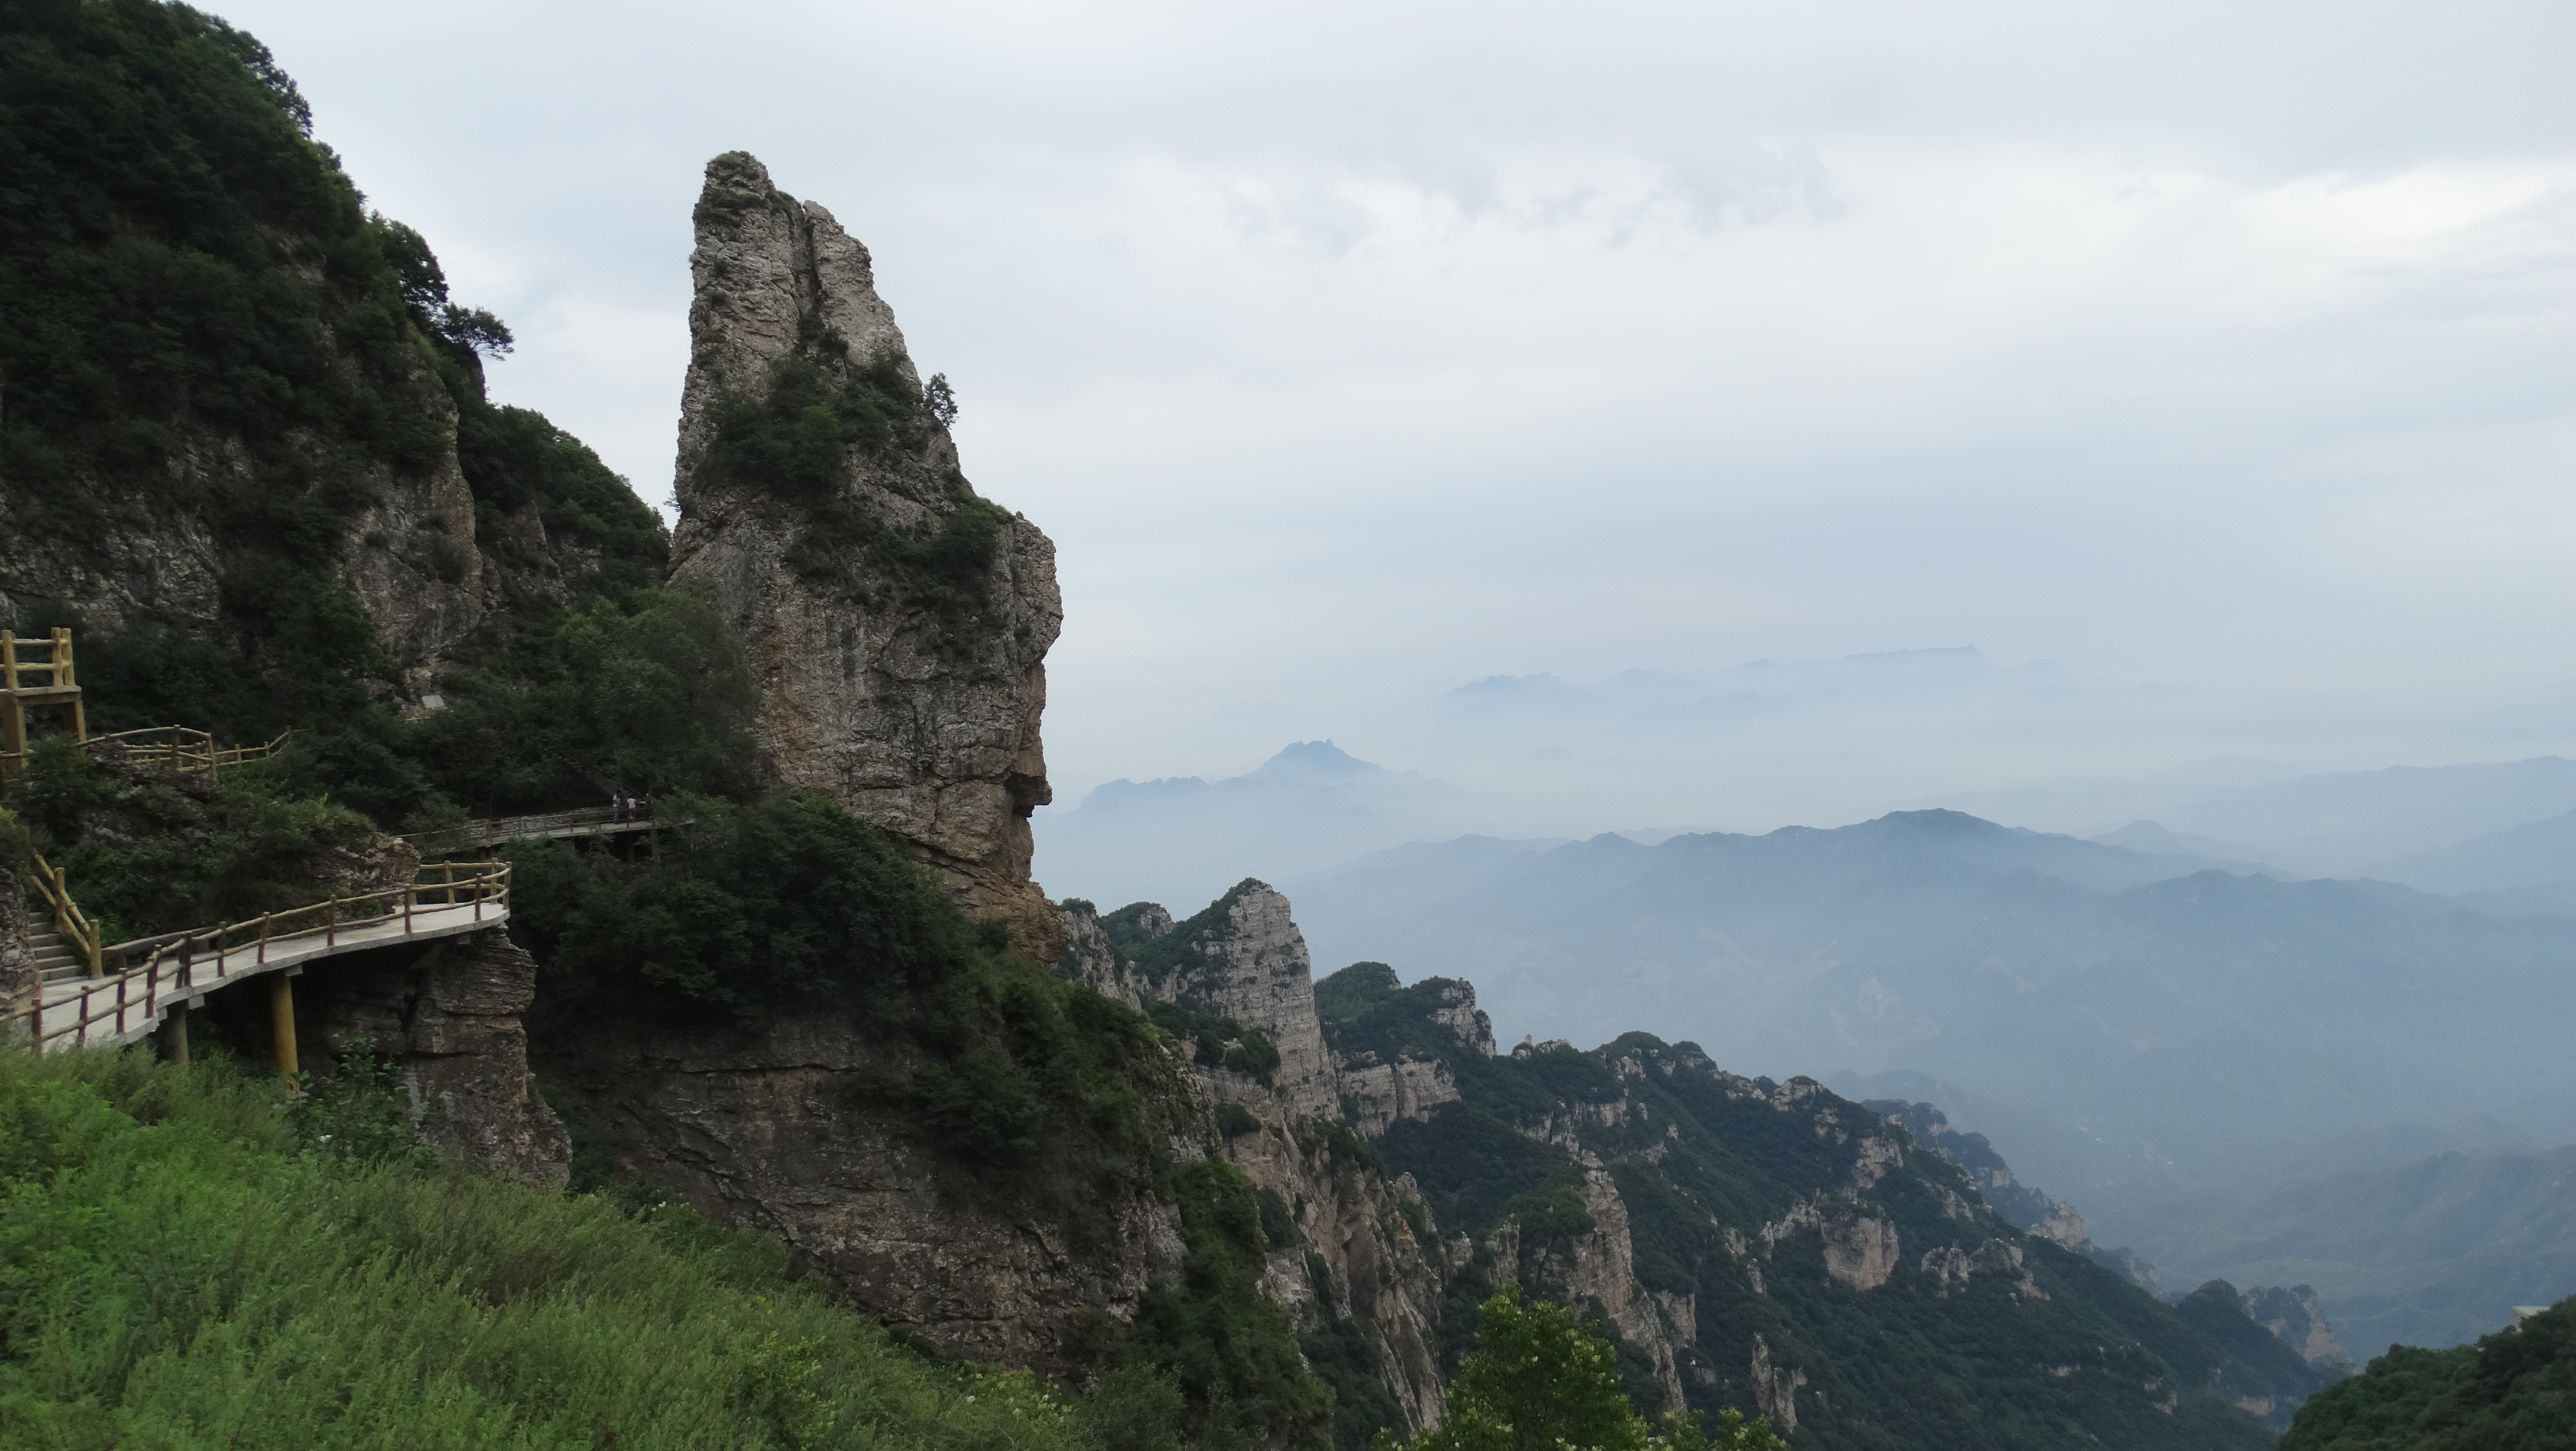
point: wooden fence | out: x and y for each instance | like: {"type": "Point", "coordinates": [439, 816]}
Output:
{"type": "Point", "coordinates": [139, 972]}
{"type": "Point", "coordinates": [177, 748]}
{"type": "Point", "coordinates": [70, 922]}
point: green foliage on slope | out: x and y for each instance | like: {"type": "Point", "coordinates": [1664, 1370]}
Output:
{"type": "Point", "coordinates": [184, 1263]}
{"type": "Point", "coordinates": [152, 852]}
{"type": "Point", "coordinates": [2514, 1389]}
{"type": "Point", "coordinates": [1539, 1380]}
{"type": "Point", "coordinates": [209, 334]}
{"type": "Point", "coordinates": [2048, 1351]}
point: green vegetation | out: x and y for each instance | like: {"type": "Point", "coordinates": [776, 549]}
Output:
{"type": "Point", "coordinates": [1231, 1350]}
{"type": "Point", "coordinates": [797, 439]}
{"type": "Point", "coordinates": [1696, 1153]}
{"type": "Point", "coordinates": [1539, 1381]}
{"type": "Point", "coordinates": [208, 328]}
{"type": "Point", "coordinates": [1217, 1042]}
{"type": "Point", "coordinates": [2514, 1389]}
{"type": "Point", "coordinates": [187, 1261]}
{"type": "Point", "coordinates": [651, 694]}
{"type": "Point", "coordinates": [151, 852]}
{"type": "Point", "coordinates": [1156, 955]}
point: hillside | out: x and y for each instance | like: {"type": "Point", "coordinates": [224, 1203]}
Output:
{"type": "Point", "coordinates": [1747, 1243]}
{"type": "Point", "coordinates": [2423, 1253]}
{"type": "Point", "coordinates": [310, 1279]}
{"type": "Point", "coordinates": [2514, 1388]}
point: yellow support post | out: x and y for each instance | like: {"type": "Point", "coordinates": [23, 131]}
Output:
{"type": "Point", "coordinates": [65, 677]}
{"type": "Point", "coordinates": [281, 1023]}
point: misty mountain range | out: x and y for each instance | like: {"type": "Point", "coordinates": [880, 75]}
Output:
{"type": "Point", "coordinates": [2165, 1024]}
{"type": "Point", "coordinates": [2500, 836]}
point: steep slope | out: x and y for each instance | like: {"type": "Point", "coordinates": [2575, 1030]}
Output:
{"type": "Point", "coordinates": [2514, 1388]}
{"type": "Point", "coordinates": [247, 450]}
{"type": "Point", "coordinates": [1747, 1243]}
{"type": "Point", "coordinates": [1354, 1257]}
{"type": "Point", "coordinates": [898, 622]}
{"type": "Point", "coordinates": [2432, 1252]}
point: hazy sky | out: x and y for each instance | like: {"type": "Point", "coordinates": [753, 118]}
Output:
{"type": "Point", "coordinates": [1349, 352]}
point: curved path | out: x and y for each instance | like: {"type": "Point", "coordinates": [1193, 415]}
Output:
{"type": "Point", "coordinates": [165, 974]}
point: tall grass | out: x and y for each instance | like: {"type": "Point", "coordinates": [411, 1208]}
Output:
{"type": "Point", "coordinates": [184, 1261]}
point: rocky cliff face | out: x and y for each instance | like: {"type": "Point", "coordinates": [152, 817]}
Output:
{"type": "Point", "coordinates": [448, 1016]}
{"type": "Point", "coordinates": [898, 623]}
{"type": "Point", "coordinates": [1366, 1252]}
{"type": "Point", "coordinates": [790, 1130]}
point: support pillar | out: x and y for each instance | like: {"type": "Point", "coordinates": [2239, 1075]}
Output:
{"type": "Point", "coordinates": [174, 1036]}
{"type": "Point", "coordinates": [281, 1023]}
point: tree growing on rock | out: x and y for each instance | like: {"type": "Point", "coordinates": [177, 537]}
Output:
{"type": "Point", "coordinates": [1538, 1381]}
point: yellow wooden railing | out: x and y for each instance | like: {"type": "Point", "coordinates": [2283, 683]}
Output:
{"type": "Point", "coordinates": [47, 682]}
{"type": "Point", "coordinates": [178, 748]}
{"type": "Point", "coordinates": [70, 922]}
{"type": "Point", "coordinates": [139, 971]}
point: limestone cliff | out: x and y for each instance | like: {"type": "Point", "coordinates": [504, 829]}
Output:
{"type": "Point", "coordinates": [899, 624]}
{"type": "Point", "coordinates": [790, 1130]}
{"type": "Point", "coordinates": [448, 1017]}
{"type": "Point", "coordinates": [1365, 1255]}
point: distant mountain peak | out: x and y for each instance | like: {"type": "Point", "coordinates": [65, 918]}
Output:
{"type": "Point", "coordinates": [1315, 758]}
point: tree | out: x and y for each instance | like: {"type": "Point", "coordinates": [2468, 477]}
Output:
{"type": "Point", "coordinates": [1538, 1381]}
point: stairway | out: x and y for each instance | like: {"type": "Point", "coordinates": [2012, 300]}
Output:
{"type": "Point", "coordinates": [56, 959]}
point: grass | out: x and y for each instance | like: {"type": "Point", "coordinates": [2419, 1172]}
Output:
{"type": "Point", "coordinates": [183, 1263]}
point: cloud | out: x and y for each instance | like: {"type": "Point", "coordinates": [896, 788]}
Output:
{"type": "Point", "coordinates": [1350, 350]}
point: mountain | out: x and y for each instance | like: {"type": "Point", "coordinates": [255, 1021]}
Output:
{"type": "Point", "coordinates": [2343, 823]}
{"type": "Point", "coordinates": [1184, 838]}
{"type": "Point", "coordinates": [2512, 1389]}
{"type": "Point", "coordinates": [2204, 853]}
{"type": "Point", "coordinates": [2424, 1253]}
{"type": "Point", "coordinates": [2185, 1024]}
{"type": "Point", "coordinates": [2530, 867]}
{"type": "Point", "coordinates": [1745, 1243]}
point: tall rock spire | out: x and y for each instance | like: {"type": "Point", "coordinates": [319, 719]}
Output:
{"type": "Point", "coordinates": [898, 622]}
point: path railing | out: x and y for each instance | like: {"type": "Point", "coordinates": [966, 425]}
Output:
{"type": "Point", "coordinates": [141, 971]}
{"type": "Point", "coordinates": [70, 921]}
{"type": "Point", "coordinates": [584, 821]}
{"type": "Point", "coordinates": [177, 748]}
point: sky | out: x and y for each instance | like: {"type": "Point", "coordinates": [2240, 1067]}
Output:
{"type": "Point", "coordinates": [1352, 354]}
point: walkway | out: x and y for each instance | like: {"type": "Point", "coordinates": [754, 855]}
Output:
{"type": "Point", "coordinates": [552, 826]}
{"type": "Point", "coordinates": [152, 977]}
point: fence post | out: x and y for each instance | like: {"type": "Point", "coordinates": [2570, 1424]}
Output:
{"type": "Point", "coordinates": [331, 924]}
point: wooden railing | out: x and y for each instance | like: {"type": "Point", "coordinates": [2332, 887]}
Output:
{"type": "Point", "coordinates": [141, 970]}
{"type": "Point", "coordinates": [70, 921]}
{"type": "Point", "coordinates": [491, 831]}
{"type": "Point", "coordinates": [178, 748]}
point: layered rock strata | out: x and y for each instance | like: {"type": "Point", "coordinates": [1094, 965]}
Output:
{"type": "Point", "coordinates": [789, 1130]}
{"type": "Point", "coordinates": [901, 673]}
{"type": "Point", "coordinates": [448, 1017]}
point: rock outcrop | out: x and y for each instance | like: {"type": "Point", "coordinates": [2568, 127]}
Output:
{"type": "Point", "coordinates": [2296, 1319]}
{"type": "Point", "coordinates": [1382, 1267]}
{"type": "Point", "coordinates": [448, 1016]}
{"type": "Point", "coordinates": [898, 624]}
{"type": "Point", "coordinates": [790, 1130]}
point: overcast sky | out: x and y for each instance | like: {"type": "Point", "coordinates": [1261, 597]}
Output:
{"type": "Point", "coordinates": [1351, 352]}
